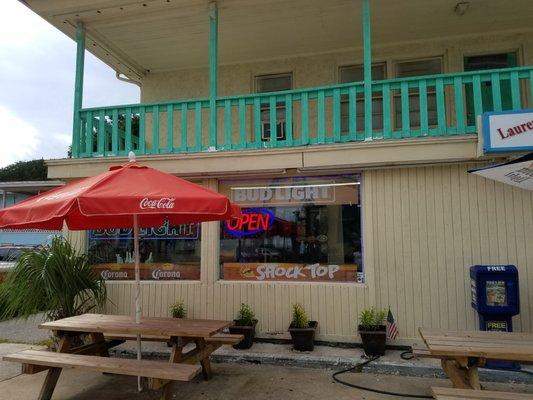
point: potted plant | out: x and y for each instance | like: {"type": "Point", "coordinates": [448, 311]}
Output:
{"type": "Point", "coordinates": [373, 331]}
{"type": "Point", "coordinates": [302, 330]}
{"type": "Point", "coordinates": [244, 325]}
{"type": "Point", "coordinates": [178, 310]}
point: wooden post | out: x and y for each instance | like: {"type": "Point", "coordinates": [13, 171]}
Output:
{"type": "Point", "coordinates": [204, 360]}
{"type": "Point", "coordinates": [78, 88]}
{"type": "Point", "coordinates": [52, 375]}
{"type": "Point", "coordinates": [213, 73]}
{"type": "Point", "coordinates": [367, 69]}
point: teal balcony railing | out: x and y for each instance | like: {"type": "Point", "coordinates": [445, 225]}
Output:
{"type": "Point", "coordinates": [424, 106]}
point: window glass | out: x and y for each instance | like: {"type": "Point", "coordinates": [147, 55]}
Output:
{"type": "Point", "coordinates": [298, 229]}
{"type": "Point", "coordinates": [166, 253]}
{"type": "Point", "coordinates": [496, 292]}
{"type": "Point", "coordinates": [405, 69]}
{"type": "Point", "coordinates": [354, 73]}
{"type": "Point", "coordinates": [273, 83]}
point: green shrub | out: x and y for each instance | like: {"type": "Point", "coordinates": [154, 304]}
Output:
{"type": "Point", "coordinates": [56, 279]}
{"type": "Point", "coordinates": [3, 303]}
{"type": "Point", "coordinates": [246, 316]}
{"type": "Point", "coordinates": [178, 310]}
{"type": "Point", "coordinates": [370, 318]}
{"type": "Point", "coordinates": [299, 316]}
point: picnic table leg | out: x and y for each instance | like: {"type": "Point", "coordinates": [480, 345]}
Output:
{"type": "Point", "coordinates": [473, 377]}
{"type": "Point", "coordinates": [52, 375]}
{"type": "Point", "coordinates": [462, 375]}
{"type": "Point", "coordinates": [98, 337]}
{"type": "Point", "coordinates": [206, 364]}
{"type": "Point", "coordinates": [175, 357]}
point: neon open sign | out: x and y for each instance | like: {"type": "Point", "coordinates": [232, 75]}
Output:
{"type": "Point", "coordinates": [251, 222]}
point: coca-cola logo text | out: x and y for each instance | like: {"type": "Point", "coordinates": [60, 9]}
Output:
{"type": "Point", "coordinates": [162, 203]}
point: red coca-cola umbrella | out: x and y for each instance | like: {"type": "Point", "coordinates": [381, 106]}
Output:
{"type": "Point", "coordinates": [130, 195]}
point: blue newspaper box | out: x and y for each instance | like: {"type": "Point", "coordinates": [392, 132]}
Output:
{"type": "Point", "coordinates": [495, 297]}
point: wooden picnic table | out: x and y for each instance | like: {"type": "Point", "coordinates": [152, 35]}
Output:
{"type": "Point", "coordinates": [462, 352]}
{"type": "Point", "coordinates": [94, 355]}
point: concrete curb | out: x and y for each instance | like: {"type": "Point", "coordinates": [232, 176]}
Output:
{"type": "Point", "coordinates": [308, 360]}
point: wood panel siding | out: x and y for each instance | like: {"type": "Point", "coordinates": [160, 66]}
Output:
{"type": "Point", "coordinates": [423, 228]}
{"type": "Point", "coordinates": [431, 225]}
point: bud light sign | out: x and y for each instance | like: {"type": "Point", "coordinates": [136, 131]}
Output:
{"type": "Point", "coordinates": [251, 222]}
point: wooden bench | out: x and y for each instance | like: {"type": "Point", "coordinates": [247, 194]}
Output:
{"type": "Point", "coordinates": [421, 351]}
{"type": "Point", "coordinates": [219, 338]}
{"type": "Point", "coordinates": [441, 393]}
{"type": "Point", "coordinates": [120, 366]}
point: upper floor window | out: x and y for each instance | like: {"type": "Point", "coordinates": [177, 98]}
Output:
{"type": "Point", "coordinates": [273, 83]}
{"type": "Point", "coordinates": [484, 62]}
{"type": "Point", "coordinates": [355, 73]}
{"type": "Point", "coordinates": [409, 68]}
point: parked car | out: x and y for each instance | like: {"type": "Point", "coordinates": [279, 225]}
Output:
{"type": "Point", "coordinates": [9, 255]}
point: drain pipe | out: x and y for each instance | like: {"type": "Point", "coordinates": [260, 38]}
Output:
{"type": "Point", "coordinates": [127, 80]}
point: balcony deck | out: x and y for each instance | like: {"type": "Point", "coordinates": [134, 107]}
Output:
{"type": "Point", "coordinates": [424, 106]}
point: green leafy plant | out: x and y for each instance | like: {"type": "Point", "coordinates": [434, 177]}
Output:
{"type": "Point", "coordinates": [178, 310]}
{"type": "Point", "coordinates": [56, 279]}
{"type": "Point", "coordinates": [371, 319]}
{"type": "Point", "coordinates": [299, 316]}
{"type": "Point", "coordinates": [3, 303]}
{"type": "Point", "coordinates": [246, 315]}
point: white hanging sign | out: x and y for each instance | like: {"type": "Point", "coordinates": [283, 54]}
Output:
{"type": "Point", "coordinates": [508, 131]}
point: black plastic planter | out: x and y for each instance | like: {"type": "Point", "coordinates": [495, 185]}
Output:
{"type": "Point", "coordinates": [247, 331]}
{"type": "Point", "coordinates": [374, 341]}
{"type": "Point", "coordinates": [303, 339]}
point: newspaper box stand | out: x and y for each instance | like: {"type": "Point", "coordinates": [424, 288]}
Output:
{"type": "Point", "coordinates": [496, 299]}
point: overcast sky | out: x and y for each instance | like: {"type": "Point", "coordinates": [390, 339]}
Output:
{"type": "Point", "coordinates": [37, 64]}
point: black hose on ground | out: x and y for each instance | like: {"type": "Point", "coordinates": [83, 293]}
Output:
{"type": "Point", "coordinates": [359, 368]}
{"type": "Point", "coordinates": [406, 355]}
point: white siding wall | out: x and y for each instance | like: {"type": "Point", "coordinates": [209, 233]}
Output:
{"type": "Point", "coordinates": [423, 228]}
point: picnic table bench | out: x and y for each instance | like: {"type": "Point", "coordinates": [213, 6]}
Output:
{"type": "Point", "coordinates": [462, 352]}
{"type": "Point", "coordinates": [206, 334]}
{"type": "Point", "coordinates": [441, 393]}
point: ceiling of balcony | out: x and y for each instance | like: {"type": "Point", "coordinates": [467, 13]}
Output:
{"type": "Point", "coordinates": [136, 36]}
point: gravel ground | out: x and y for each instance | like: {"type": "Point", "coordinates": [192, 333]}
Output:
{"type": "Point", "coordinates": [23, 330]}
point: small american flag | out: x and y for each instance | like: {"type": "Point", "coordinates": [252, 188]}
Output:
{"type": "Point", "coordinates": [392, 328]}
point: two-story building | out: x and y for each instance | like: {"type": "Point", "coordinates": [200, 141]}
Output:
{"type": "Point", "coordinates": [344, 128]}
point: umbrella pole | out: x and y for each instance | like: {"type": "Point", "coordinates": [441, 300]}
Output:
{"type": "Point", "coordinates": [137, 288]}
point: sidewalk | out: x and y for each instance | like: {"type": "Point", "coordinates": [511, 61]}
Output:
{"type": "Point", "coordinates": [334, 358]}
{"type": "Point", "coordinates": [232, 382]}
{"type": "Point", "coordinates": [324, 357]}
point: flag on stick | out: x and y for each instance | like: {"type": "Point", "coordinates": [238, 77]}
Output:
{"type": "Point", "coordinates": [392, 328]}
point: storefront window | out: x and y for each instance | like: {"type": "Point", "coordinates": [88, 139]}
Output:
{"type": "Point", "coordinates": [166, 253]}
{"type": "Point", "coordinates": [298, 229]}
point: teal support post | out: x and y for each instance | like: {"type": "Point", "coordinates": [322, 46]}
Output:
{"type": "Point", "coordinates": [213, 73]}
{"type": "Point", "coordinates": [78, 89]}
{"type": "Point", "coordinates": [367, 69]}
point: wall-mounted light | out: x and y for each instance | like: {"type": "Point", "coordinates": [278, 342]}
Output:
{"type": "Point", "coordinates": [461, 8]}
